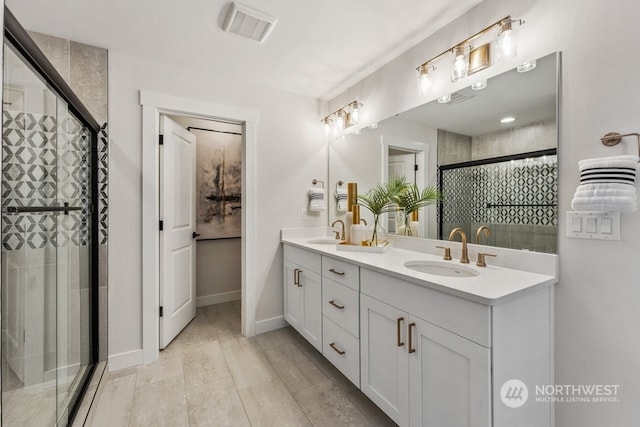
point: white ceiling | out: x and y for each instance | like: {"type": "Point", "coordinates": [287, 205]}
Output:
{"type": "Point", "coordinates": [317, 48]}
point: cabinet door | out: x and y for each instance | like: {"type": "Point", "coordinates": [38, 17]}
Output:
{"type": "Point", "coordinates": [383, 357]}
{"type": "Point", "coordinates": [292, 296]}
{"type": "Point", "coordinates": [311, 307]}
{"type": "Point", "coordinates": [449, 378]}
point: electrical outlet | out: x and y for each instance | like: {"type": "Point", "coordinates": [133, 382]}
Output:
{"type": "Point", "coordinates": [303, 214]}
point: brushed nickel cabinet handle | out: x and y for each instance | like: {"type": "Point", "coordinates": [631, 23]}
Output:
{"type": "Point", "coordinates": [411, 349]}
{"type": "Point", "coordinates": [399, 324]}
{"type": "Point", "coordinates": [339, 273]}
{"type": "Point", "coordinates": [333, 346]}
{"type": "Point", "coordinates": [332, 302]}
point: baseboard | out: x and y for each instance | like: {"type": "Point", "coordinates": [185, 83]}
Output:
{"type": "Point", "coordinates": [218, 298]}
{"type": "Point", "coordinates": [271, 324]}
{"type": "Point", "coordinates": [125, 360]}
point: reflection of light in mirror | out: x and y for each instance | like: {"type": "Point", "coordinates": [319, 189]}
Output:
{"type": "Point", "coordinates": [373, 125]}
{"type": "Point", "coordinates": [444, 99]}
{"type": "Point", "coordinates": [479, 85]}
{"type": "Point", "coordinates": [357, 132]}
{"type": "Point", "coordinates": [527, 66]}
{"type": "Point", "coordinates": [508, 119]}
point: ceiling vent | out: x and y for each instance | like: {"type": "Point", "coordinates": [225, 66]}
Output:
{"type": "Point", "coordinates": [248, 23]}
{"type": "Point", "coordinates": [458, 97]}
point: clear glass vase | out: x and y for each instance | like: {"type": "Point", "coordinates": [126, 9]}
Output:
{"type": "Point", "coordinates": [376, 233]}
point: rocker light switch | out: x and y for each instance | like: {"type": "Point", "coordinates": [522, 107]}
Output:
{"type": "Point", "coordinates": [593, 225]}
{"type": "Point", "coordinates": [576, 224]}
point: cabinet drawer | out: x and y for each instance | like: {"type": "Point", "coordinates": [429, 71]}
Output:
{"type": "Point", "coordinates": [341, 349]}
{"type": "Point", "coordinates": [460, 316]}
{"type": "Point", "coordinates": [305, 259]}
{"type": "Point", "coordinates": [341, 272]}
{"type": "Point", "coordinates": [341, 304]}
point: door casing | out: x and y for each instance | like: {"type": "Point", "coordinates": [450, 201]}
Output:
{"type": "Point", "coordinates": [153, 104]}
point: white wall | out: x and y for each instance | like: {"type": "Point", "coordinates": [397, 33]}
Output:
{"type": "Point", "coordinates": [597, 313]}
{"type": "Point", "coordinates": [290, 153]}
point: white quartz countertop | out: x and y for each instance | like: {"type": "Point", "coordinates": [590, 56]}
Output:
{"type": "Point", "coordinates": [492, 286]}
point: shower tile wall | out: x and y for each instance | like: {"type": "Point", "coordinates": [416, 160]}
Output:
{"type": "Point", "coordinates": [470, 192]}
{"type": "Point", "coordinates": [85, 68]}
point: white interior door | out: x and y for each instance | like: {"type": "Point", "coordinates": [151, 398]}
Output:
{"type": "Point", "coordinates": [401, 165]}
{"type": "Point", "coordinates": [177, 239]}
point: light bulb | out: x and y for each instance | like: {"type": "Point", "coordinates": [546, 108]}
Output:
{"type": "Point", "coordinates": [327, 127]}
{"type": "Point", "coordinates": [479, 85]}
{"type": "Point", "coordinates": [444, 99]}
{"type": "Point", "coordinates": [527, 66]}
{"type": "Point", "coordinates": [460, 66]}
{"type": "Point", "coordinates": [425, 83]}
{"type": "Point", "coordinates": [505, 42]}
{"type": "Point", "coordinates": [355, 112]}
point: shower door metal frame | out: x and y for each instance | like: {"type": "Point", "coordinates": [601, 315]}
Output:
{"type": "Point", "coordinates": [18, 37]}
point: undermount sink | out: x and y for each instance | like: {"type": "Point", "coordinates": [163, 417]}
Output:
{"type": "Point", "coordinates": [441, 268]}
{"type": "Point", "coordinates": [325, 241]}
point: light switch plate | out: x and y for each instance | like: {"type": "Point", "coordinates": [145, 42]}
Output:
{"type": "Point", "coordinates": [593, 225]}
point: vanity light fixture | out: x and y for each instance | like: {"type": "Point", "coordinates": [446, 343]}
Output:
{"type": "Point", "coordinates": [342, 118]}
{"type": "Point", "coordinates": [508, 119]}
{"type": "Point", "coordinates": [464, 63]}
{"type": "Point", "coordinates": [374, 125]}
{"type": "Point", "coordinates": [527, 66]}
{"type": "Point", "coordinates": [479, 85]}
{"type": "Point", "coordinates": [506, 46]}
{"type": "Point", "coordinates": [444, 99]}
{"type": "Point", "coordinates": [460, 66]}
{"type": "Point", "coordinates": [425, 82]}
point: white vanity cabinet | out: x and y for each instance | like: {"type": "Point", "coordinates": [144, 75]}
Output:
{"type": "Point", "coordinates": [433, 359]}
{"type": "Point", "coordinates": [303, 293]}
{"type": "Point", "coordinates": [340, 316]}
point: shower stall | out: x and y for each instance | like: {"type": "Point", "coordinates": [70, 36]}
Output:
{"type": "Point", "coordinates": [49, 239]}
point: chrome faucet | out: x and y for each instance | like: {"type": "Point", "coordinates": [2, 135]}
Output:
{"type": "Point", "coordinates": [487, 233]}
{"type": "Point", "coordinates": [465, 253]}
{"type": "Point", "coordinates": [339, 236]}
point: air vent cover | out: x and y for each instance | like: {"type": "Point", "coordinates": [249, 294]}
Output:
{"type": "Point", "coordinates": [248, 23]}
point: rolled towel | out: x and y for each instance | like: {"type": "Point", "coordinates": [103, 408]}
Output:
{"type": "Point", "coordinates": [607, 184]}
{"type": "Point", "coordinates": [341, 199]}
{"type": "Point", "coordinates": [316, 199]}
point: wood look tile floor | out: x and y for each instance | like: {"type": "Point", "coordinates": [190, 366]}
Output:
{"type": "Point", "coordinates": [211, 375]}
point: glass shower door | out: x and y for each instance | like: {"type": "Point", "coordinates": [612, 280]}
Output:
{"type": "Point", "coordinates": [47, 292]}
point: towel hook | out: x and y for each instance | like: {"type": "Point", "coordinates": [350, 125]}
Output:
{"type": "Point", "coordinates": [339, 184]}
{"type": "Point", "coordinates": [317, 181]}
{"type": "Point", "coordinates": [614, 138]}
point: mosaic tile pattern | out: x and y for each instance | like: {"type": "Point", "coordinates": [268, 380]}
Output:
{"type": "Point", "coordinates": [45, 163]}
{"type": "Point", "coordinates": [514, 192]}
{"type": "Point", "coordinates": [103, 185]}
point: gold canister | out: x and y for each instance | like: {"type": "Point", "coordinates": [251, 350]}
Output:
{"type": "Point", "coordinates": [414, 215]}
{"type": "Point", "coordinates": [355, 212]}
{"type": "Point", "coordinates": [352, 195]}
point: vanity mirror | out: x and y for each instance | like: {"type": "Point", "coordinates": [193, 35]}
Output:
{"type": "Point", "coordinates": [492, 153]}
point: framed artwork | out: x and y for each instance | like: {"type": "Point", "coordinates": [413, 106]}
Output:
{"type": "Point", "coordinates": [218, 184]}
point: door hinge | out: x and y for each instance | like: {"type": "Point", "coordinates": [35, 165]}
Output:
{"type": "Point", "coordinates": [161, 311]}
{"type": "Point", "coordinates": [161, 139]}
{"type": "Point", "coordinates": [161, 225]}
{"type": "Point", "coordinates": [415, 167]}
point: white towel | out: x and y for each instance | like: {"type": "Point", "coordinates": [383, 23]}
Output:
{"type": "Point", "coordinates": [607, 184]}
{"type": "Point", "coordinates": [316, 199]}
{"type": "Point", "coordinates": [341, 199]}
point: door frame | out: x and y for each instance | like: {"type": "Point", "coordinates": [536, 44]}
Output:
{"type": "Point", "coordinates": [153, 104]}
